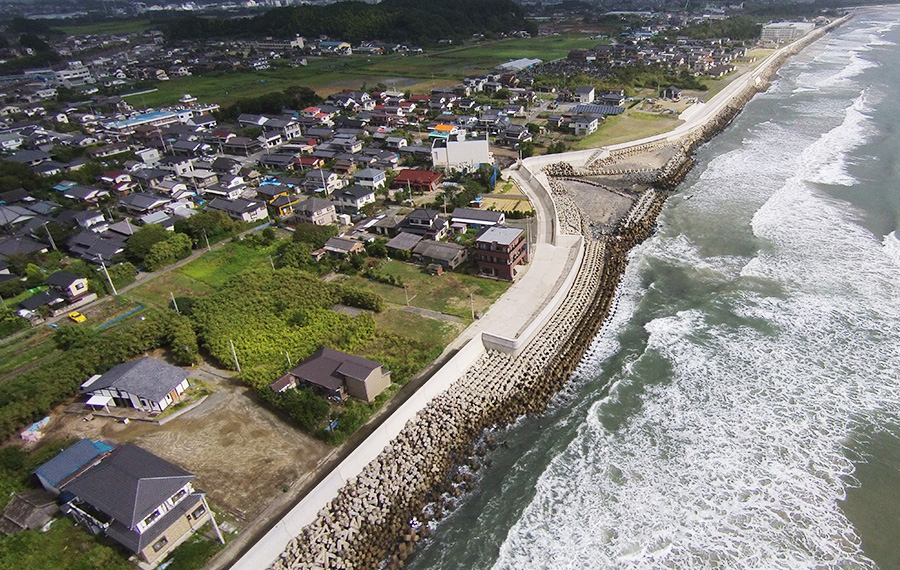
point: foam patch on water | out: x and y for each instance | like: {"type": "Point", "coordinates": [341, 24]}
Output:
{"type": "Point", "coordinates": [735, 456]}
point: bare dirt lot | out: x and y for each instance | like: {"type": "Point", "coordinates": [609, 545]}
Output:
{"type": "Point", "coordinates": [241, 452]}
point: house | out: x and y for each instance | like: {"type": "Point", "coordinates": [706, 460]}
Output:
{"type": "Point", "coordinates": [29, 510]}
{"type": "Point", "coordinates": [19, 245]}
{"type": "Point", "coordinates": [351, 200]}
{"type": "Point", "coordinates": [73, 286]}
{"type": "Point", "coordinates": [585, 124]}
{"type": "Point", "coordinates": [337, 374]}
{"type": "Point", "coordinates": [447, 255]}
{"type": "Point", "coordinates": [403, 242]}
{"type": "Point", "coordinates": [143, 203]}
{"type": "Point", "coordinates": [68, 462]}
{"type": "Point", "coordinates": [82, 193]}
{"type": "Point", "coordinates": [614, 98]}
{"type": "Point", "coordinates": [498, 250]}
{"type": "Point", "coordinates": [145, 384]}
{"type": "Point", "coordinates": [328, 181]}
{"type": "Point", "coordinates": [371, 178]}
{"type": "Point", "coordinates": [671, 92]}
{"type": "Point", "coordinates": [241, 209]}
{"type": "Point", "coordinates": [584, 94]}
{"type": "Point", "coordinates": [137, 499]}
{"type": "Point", "coordinates": [421, 181]}
{"type": "Point", "coordinates": [463, 218]}
{"type": "Point", "coordinates": [424, 222]}
{"type": "Point", "coordinates": [283, 204]}
{"type": "Point", "coordinates": [343, 247]}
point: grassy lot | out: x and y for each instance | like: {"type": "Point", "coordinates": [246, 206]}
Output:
{"type": "Point", "coordinates": [110, 27]}
{"type": "Point", "coordinates": [156, 293]}
{"type": "Point", "coordinates": [201, 276]}
{"type": "Point", "coordinates": [627, 127]}
{"type": "Point", "coordinates": [417, 74]}
{"type": "Point", "coordinates": [448, 293]}
{"type": "Point", "coordinates": [63, 546]}
{"type": "Point", "coordinates": [217, 267]}
{"type": "Point", "coordinates": [429, 331]}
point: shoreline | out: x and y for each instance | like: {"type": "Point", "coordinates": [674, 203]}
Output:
{"type": "Point", "coordinates": [492, 379]}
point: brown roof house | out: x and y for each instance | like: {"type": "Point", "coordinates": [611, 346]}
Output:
{"type": "Point", "coordinates": [338, 374]}
{"type": "Point", "coordinates": [141, 501]}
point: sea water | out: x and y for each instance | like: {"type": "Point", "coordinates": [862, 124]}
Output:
{"type": "Point", "coordinates": [742, 407]}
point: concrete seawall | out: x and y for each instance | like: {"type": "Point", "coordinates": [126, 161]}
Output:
{"type": "Point", "coordinates": [359, 516]}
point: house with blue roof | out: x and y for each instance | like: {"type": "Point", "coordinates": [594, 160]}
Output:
{"type": "Point", "coordinates": [69, 462]}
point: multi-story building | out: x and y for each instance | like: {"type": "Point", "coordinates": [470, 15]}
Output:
{"type": "Point", "coordinates": [498, 250]}
{"type": "Point", "coordinates": [144, 503]}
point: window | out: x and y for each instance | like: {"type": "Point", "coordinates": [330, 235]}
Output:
{"type": "Point", "coordinates": [153, 516]}
{"type": "Point", "coordinates": [178, 495]}
{"type": "Point", "coordinates": [160, 544]}
{"type": "Point", "coordinates": [198, 512]}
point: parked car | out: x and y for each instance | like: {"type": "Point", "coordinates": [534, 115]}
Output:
{"type": "Point", "coordinates": [77, 317]}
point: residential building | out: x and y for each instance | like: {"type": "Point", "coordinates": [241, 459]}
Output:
{"type": "Point", "coordinates": [585, 125]}
{"type": "Point", "coordinates": [374, 178]}
{"type": "Point", "coordinates": [464, 218]}
{"type": "Point", "coordinates": [137, 499]}
{"type": "Point", "coordinates": [73, 286]}
{"type": "Point", "coordinates": [584, 94]}
{"type": "Point", "coordinates": [421, 181]}
{"type": "Point", "coordinates": [343, 247]}
{"type": "Point", "coordinates": [498, 250]}
{"type": "Point", "coordinates": [145, 384]}
{"type": "Point", "coordinates": [316, 211]}
{"type": "Point", "coordinates": [351, 200]}
{"type": "Point", "coordinates": [447, 255]}
{"type": "Point", "coordinates": [338, 375]}
{"type": "Point", "coordinates": [241, 209]}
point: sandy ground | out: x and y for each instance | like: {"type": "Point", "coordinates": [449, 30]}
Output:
{"type": "Point", "coordinates": [241, 452]}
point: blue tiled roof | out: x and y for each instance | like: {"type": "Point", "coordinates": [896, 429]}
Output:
{"type": "Point", "coordinates": [70, 460]}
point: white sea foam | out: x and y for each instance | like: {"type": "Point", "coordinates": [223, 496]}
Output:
{"type": "Point", "coordinates": [735, 458]}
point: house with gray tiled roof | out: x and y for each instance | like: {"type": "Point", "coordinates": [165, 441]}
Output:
{"type": "Point", "coordinates": [146, 384]}
{"type": "Point", "coordinates": [141, 501]}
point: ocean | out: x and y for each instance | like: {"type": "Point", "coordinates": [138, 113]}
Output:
{"type": "Point", "coordinates": [741, 409]}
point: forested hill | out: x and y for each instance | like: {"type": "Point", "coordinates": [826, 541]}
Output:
{"type": "Point", "coordinates": [420, 22]}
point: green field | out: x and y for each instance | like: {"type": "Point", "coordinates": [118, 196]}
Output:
{"type": "Point", "coordinates": [110, 27]}
{"type": "Point", "coordinates": [216, 267]}
{"type": "Point", "coordinates": [418, 73]}
{"type": "Point", "coordinates": [627, 127]}
{"type": "Point", "coordinates": [447, 293]}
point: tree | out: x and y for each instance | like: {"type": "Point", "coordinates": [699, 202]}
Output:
{"type": "Point", "coordinates": [313, 234]}
{"type": "Point", "coordinates": [212, 224]}
{"type": "Point", "coordinates": [142, 241]}
{"type": "Point", "coordinates": [177, 246]}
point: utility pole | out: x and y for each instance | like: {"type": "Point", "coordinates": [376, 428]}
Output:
{"type": "Point", "coordinates": [206, 237]}
{"type": "Point", "coordinates": [272, 263]}
{"type": "Point", "coordinates": [108, 278]}
{"type": "Point", "coordinates": [288, 358]}
{"type": "Point", "coordinates": [49, 235]}
{"type": "Point", "coordinates": [2, 302]}
{"type": "Point", "coordinates": [234, 355]}
{"type": "Point", "coordinates": [472, 298]}
{"type": "Point", "coordinates": [406, 292]}
{"type": "Point", "coordinates": [174, 303]}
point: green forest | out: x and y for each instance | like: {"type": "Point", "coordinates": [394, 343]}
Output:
{"type": "Point", "coordinates": [421, 22]}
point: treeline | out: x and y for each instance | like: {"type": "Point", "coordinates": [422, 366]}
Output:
{"type": "Point", "coordinates": [31, 395]}
{"type": "Point", "coordinates": [416, 21]}
{"type": "Point", "coordinates": [295, 98]}
{"type": "Point", "coordinates": [738, 28]}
